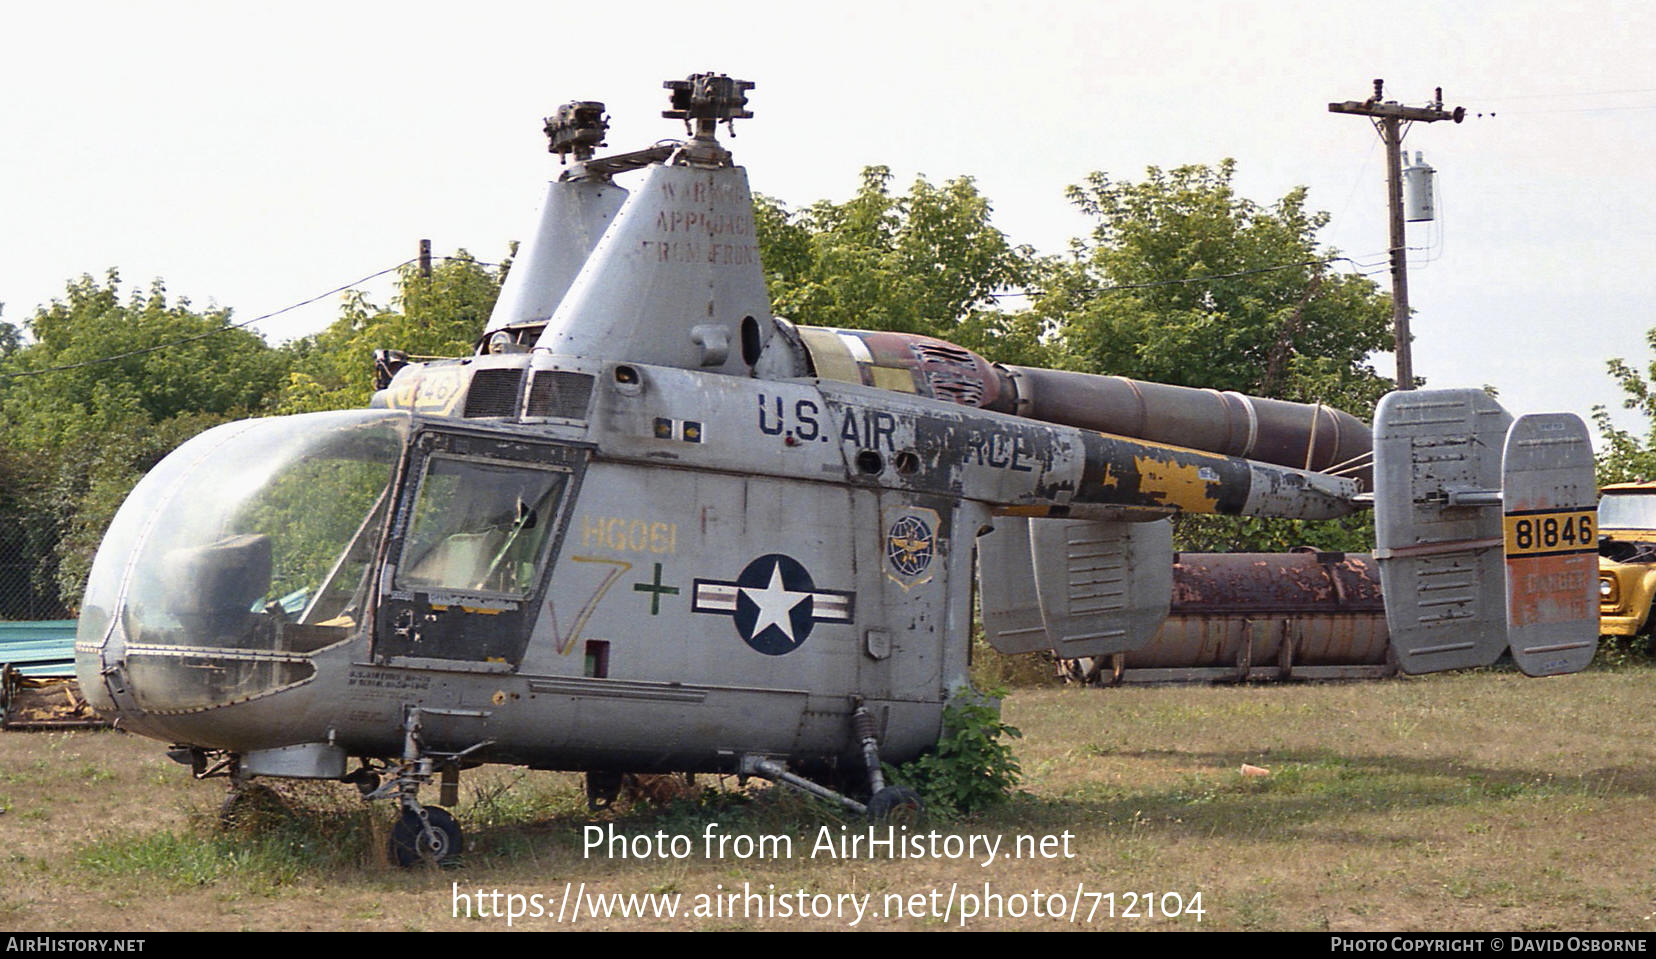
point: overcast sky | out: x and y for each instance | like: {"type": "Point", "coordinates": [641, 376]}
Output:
{"type": "Point", "coordinates": [255, 156]}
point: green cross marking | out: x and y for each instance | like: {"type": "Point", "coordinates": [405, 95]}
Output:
{"type": "Point", "coordinates": [655, 590]}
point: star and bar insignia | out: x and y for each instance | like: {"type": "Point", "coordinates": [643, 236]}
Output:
{"type": "Point", "coordinates": [774, 603]}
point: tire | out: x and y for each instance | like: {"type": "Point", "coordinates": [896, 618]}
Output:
{"type": "Point", "coordinates": [898, 805]}
{"type": "Point", "coordinates": [410, 845]}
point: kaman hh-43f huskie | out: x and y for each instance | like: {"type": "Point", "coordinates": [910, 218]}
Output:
{"type": "Point", "coordinates": [651, 527]}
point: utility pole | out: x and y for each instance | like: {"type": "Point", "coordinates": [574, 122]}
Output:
{"type": "Point", "coordinates": [1388, 117]}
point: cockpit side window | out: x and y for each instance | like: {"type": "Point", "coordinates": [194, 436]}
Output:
{"type": "Point", "coordinates": [480, 526]}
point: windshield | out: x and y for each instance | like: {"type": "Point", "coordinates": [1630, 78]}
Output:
{"type": "Point", "coordinates": [1627, 510]}
{"type": "Point", "coordinates": [254, 541]}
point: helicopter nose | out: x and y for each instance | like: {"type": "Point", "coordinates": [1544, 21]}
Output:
{"type": "Point", "coordinates": [88, 674]}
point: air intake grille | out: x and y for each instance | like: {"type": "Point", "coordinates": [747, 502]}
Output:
{"type": "Point", "coordinates": [493, 393]}
{"type": "Point", "coordinates": [559, 393]}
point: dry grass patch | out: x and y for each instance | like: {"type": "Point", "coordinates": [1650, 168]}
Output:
{"type": "Point", "coordinates": [1477, 801]}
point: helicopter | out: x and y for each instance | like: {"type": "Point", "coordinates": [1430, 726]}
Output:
{"type": "Point", "coordinates": [648, 526]}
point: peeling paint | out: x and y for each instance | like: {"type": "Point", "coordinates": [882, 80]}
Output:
{"type": "Point", "coordinates": [1176, 484]}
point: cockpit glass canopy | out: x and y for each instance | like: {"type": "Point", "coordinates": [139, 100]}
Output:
{"type": "Point", "coordinates": [253, 541]}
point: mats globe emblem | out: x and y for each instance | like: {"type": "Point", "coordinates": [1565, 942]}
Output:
{"type": "Point", "coordinates": [911, 545]}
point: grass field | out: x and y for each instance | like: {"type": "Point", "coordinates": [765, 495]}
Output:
{"type": "Point", "coordinates": [1480, 801]}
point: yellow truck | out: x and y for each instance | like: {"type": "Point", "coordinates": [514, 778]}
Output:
{"type": "Point", "coordinates": [1627, 558]}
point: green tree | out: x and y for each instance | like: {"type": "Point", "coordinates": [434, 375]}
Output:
{"type": "Point", "coordinates": [105, 386]}
{"type": "Point", "coordinates": [11, 338]}
{"type": "Point", "coordinates": [439, 315]}
{"type": "Point", "coordinates": [1626, 457]}
{"type": "Point", "coordinates": [28, 538]}
{"type": "Point", "coordinates": [1182, 281]}
{"type": "Point", "coordinates": [93, 351]}
{"type": "Point", "coordinates": [928, 262]}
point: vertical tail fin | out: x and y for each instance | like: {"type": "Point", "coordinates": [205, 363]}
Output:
{"type": "Point", "coordinates": [1484, 533]}
{"type": "Point", "coordinates": [1550, 529]}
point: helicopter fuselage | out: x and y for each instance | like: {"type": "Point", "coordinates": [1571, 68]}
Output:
{"type": "Point", "coordinates": [622, 566]}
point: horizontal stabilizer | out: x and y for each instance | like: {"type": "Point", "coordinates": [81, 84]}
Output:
{"type": "Point", "coordinates": [1075, 587]}
{"type": "Point", "coordinates": [1105, 587]}
{"type": "Point", "coordinates": [1006, 589]}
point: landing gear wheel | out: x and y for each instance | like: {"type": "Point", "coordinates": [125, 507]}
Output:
{"type": "Point", "coordinates": [412, 844]}
{"type": "Point", "coordinates": [365, 780]}
{"type": "Point", "coordinates": [897, 805]}
{"type": "Point", "coordinates": [603, 787]}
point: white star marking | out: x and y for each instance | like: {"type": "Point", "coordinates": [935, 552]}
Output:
{"type": "Point", "coordinates": [775, 602]}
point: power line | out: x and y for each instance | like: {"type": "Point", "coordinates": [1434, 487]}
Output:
{"type": "Point", "coordinates": [1358, 181]}
{"type": "Point", "coordinates": [1563, 95]}
{"type": "Point", "coordinates": [230, 326]}
{"type": "Point", "coordinates": [1092, 291]}
{"type": "Point", "coordinates": [1527, 113]}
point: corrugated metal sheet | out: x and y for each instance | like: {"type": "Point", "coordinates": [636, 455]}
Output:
{"type": "Point", "coordinates": [39, 648]}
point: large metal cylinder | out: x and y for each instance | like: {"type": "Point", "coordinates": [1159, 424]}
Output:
{"type": "Point", "coordinates": [1300, 435]}
{"type": "Point", "coordinates": [1297, 435]}
{"type": "Point", "coordinates": [1242, 616]}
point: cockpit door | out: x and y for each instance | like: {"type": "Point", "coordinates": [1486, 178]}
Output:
{"type": "Point", "coordinates": [479, 521]}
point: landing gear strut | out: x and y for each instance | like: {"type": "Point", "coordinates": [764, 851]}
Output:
{"type": "Point", "coordinates": [422, 834]}
{"type": "Point", "coordinates": [893, 804]}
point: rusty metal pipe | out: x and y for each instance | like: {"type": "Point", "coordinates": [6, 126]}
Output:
{"type": "Point", "coordinates": [1242, 616]}
{"type": "Point", "coordinates": [1326, 608]}
{"type": "Point", "coordinates": [1298, 435]}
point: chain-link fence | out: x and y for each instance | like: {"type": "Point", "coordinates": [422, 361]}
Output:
{"type": "Point", "coordinates": [28, 568]}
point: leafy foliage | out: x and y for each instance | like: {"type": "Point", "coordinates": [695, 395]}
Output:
{"type": "Point", "coordinates": [1626, 457]}
{"type": "Point", "coordinates": [439, 315]}
{"type": "Point", "coordinates": [1182, 281]}
{"type": "Point", "coordinates": [973, 768]}
{"type": "Point", "coordinates": [1195, 532]}
{"type": "Point", "coordinates": [926, 262]}
{"type": "Point", "coordinates": [78, 437]}
{"type": "Point", "coordinates": [28, 561]}
{"type": "Point", "coordinates": [206, 366]}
